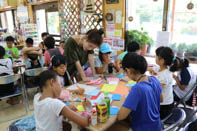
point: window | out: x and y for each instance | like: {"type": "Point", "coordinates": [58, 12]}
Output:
{"type": "Point", "coordinates": [10, 22]}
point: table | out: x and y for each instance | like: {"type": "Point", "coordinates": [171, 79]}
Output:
{"type": "Point", "coordinates": [110, 121]}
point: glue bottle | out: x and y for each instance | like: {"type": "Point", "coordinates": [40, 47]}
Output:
{"type": "Point", "coordinates": [107, 100]}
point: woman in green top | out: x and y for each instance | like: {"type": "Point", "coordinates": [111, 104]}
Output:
{"type": "Point", "coordinates": [78, 50]}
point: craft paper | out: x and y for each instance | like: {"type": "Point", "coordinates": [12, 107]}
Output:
{"type": "Point", "coordinates": [80, 108]}
{"type": "Point", "coordinates": [114, 110]}
{"type": "Point", "coordinates": [67, 103]}
{"type": "Point", "coordinates": [121, 76]}
{"type": "Point", "coordinates": [116, 97]}
{"type": "Point", "coordinates": [122, 90]}
{"type": "Point", "coordinates": [100, 97]}
{"type": "Point", "coordinates": [112, 80]}
{"type": "Point", "coordinates": [108, 88]}
{"type": "Point", "coordinates": [94, 93]}
{"type": "Point", "coordinates": [117, 33]}
{"type": "Point", "coordinates": [131, 82]}
{"type": "Point", "coordinates": [130, 85]}
{"type": "Point", "coordinates": [94, 82]}
{"type": "Point", "coordinates": [88, 89]}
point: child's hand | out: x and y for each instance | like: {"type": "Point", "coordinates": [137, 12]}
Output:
{"type": "Point", "coordinates": [87, 105]}
{"type": "Point", "coordinates": [80, 91]}
{"type": "Point", "coordinates": [175, 77]}
{"type": "Point", "coordinates": [72, 107]}
{"type": "Point", "coordinates": [86, 79]}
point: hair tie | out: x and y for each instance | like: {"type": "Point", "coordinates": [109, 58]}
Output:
{"type": "Point", "coordinates": [174, 59]}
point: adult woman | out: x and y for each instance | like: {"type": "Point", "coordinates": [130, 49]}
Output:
{"type": "Point", "coordinates": [78, 50]}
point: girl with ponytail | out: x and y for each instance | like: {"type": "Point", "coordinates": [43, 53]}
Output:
{"type": "Point", "coordinates": [185, 79]}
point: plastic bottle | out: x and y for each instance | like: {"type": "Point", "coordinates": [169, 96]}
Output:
{"type": "Point", "coordinates": [107, 100]}
{"type": "Point", "coordinates": [102, 111]}
{"type": "Point", "coordinates": [94, 116]}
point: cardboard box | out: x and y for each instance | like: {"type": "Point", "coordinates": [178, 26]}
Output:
{"type": "Point", "coordinates": [12, 2]}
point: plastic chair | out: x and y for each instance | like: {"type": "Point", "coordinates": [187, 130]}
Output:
{"type": "Point", "coordinates": [11, 79]}
{"type": "Point", "coordinates": [177, 116]}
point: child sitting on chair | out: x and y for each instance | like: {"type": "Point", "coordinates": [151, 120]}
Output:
{"type": "Point", "coordinates": [185, 80]}
{"type": "Point", "coordinates": [48, 110]}
{"type": "Point", "coordinates": [143, 101]}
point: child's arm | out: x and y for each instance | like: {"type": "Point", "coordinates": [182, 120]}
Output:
{"type": "Point", "coordinates": [117, 64]}
{"type": "Point", "coordinates": [101, 70]}
{"type": "Point", "coordinates": [78, 91]}
{"type": "Point", "coordinates": [182, 87]}
{"type": "Point", "coordinates": [73, 116]}
{"type": "Point", "coordinates": [161, 97]}
{"type": "Point", "coordinates": [123, 113]}
{"type": "Point", "coordinates": [26, 50]}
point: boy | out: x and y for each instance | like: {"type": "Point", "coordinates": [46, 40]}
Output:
{"type": "Point", "coordinates": [11, 51]}
{"type": "Point", "coordinates": [44, 35]}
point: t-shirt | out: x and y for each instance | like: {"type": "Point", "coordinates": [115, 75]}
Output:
{"type": "Point", "coordinates": [6, 66]}
{"type": "Point", "coordinates": [188, 78]}
{"type": "Point", "coordinates": [28, 62]}
{"type": "Point", "coordinates": [98, 63]}
{"type": "Point", "coordinates": [47, 114]}
{"type": "Point", "coordinates": [144, 102]}
{"type": "Point", "coordinates": [74, 53]}
{"type": "Point", "coordinates": [122, 55]}
{"type": "Point", "coordinates": [165, 77]}
{"type": "Point", "coordinates": [47, 56]}
{"type": "Point", "coordinates": [8, 54]}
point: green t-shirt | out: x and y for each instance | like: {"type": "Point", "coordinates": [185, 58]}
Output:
{"type": "Point", "coordinates": [73, 53]}
{"type": "Point", "coordinates": [8, 54]}
{"type": "Point", "coordinates": [122, 55]}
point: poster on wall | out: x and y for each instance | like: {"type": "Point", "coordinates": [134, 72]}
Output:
{"type": "Point", "coordinates": [117, 44]}
{"type": "Point", "coordinates": [163, 38]}
{"type": "Point", "coordinates": [22, 14]}
{"type": "Point", "coordinates": [119, 17]}
{"type": "Point", "coordinates": [110, 30]}
{"type": "Point", "coordinates": [112, 1]}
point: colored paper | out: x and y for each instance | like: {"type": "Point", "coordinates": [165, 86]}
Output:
{"type": "Point", "coordinates": [113, 80]}
{"type": "Point", "coordinates": [94, 82]}
{"type": "Point", "coordinates": [121, 76]}
{"type": "Point", "coordinates": [94, 93]}
{"type": "Point", "coordinates": [80, 108]}
{"type": "Point", "coordinates": [67, 103]}
{"type": "Point", "coordinates": [114, 110]}
{"type": "Point", "coordinates": [117, 33]}
{"type": "Point", "coordinates": [88, 89]}
{"type": "Point", "coordinates": [116, 97]}
{"type": "Point", "coordinates": [131, 82]}
{"type": "Point", "coordinates": [95, 97]}
{"type": "Point", "coordinates": [122, 90]}
{"type": "Point", "coordinates": [108, 88]}
{"type": "Point", "coordinates": [130, 85]}
{"type": "Point", "coordinates": [98, 99]}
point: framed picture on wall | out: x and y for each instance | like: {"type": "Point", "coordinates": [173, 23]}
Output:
{"type": "Point", "coordinates": [112, 1]}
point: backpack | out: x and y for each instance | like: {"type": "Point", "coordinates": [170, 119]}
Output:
{"type": "Point", "coordinates": [34, 57]}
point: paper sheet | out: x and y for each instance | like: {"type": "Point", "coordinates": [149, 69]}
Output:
{"type": "Point", "coordinates": [122, 90]}
{"type": "Point", "coordinates": [131, 82]}
{"type": "Point", "coordinates": [119, 17]}
{"type": "Point", "coordinates": [100, 97]}
{"type": "Point", "coordinates": [116, 97]}
{"type": "Point", "coordinates": [112, 80]}
{"type": "Point", "coordinates": [114, 110]}
{"type": "Point", "coordinates": [94, 93]}
{"type": "Point", "coordinates": [80, 108]}
{"type": "Point", "coordinates": [88, 89]}
{"type": "Point", "coordinates": [108, 88]}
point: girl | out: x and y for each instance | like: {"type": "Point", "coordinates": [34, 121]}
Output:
{"type": "Point", "coordinates": [78, 49]}
{"type": "Point", "coordinates": [185, 79]}
{"type": "Point", "coordinates": [49, 109]}
{"type": "Point", "coordinates": [133, 46]}
{"type": "Point", "coordinates": [142, 103]}
{"type": "Point", "coordinates": [103, 60]}
{"type": "Point", "coordinates": [164, 59]}
{"type": "Point", "coordinates": [59, 66]}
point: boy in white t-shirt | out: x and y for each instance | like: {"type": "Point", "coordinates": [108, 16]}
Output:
{"type": "Point", "coordinates": [164, 58]}
{"type": "Point", "coordinates": [48, 110]}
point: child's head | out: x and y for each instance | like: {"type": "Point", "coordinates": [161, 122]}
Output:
{"type": "Point", "coordinates": [179, 64]}
{"type": "Point", "coordinates": [134, 65]}
{"type": "Point", "coordinates": [29, 42]}
{"type": "Point", "coordinates": [62, 44]}
{"type": "Point", "coordinates": [93, 39]}
{"type": "Point", "coordinates": [47, 81]}
{"type": "Point", "coordinates": [10, 41]}
{"type": "Point", "coordinates": [164, 56]}
{"type": "Point", "coordinates": [59, 64]}
{"type": "Point", "coordinates": [105, 52]}
{"type": "Point", "coordinates": [44, 35]}
{"type": "Point", "coordinates": [49, 42]}
{"type": "Point", "coordinates": [133, 46]}
{"type": "Point", "coordinates": [2, 52]}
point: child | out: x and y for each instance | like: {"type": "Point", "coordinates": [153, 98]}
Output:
{"type": "Point", "coordinates": [62, 44]}
{"type": "Point", "coordinates": [32, 55]}
{"type": "Point", "coordinates": [133, 46]}
{"type": "Point", "coordinates": [59, 66]}
{"type": "Point", "coordinates": [44, 35]}
{"type": "Point", "coordinates": [164, 59]}
{"type": "Point", "coordinates": [185, 79]}
{"type": "Point", "coordinates": [51, 51]}
{"type": "Point", "coordinates": [142, 103]}
{"type": "Point", "coordinates": [11, 51]}
{"type": "Point", "coordinates": [5, 69]}
{"type": "Point", "coordinates": [48, 109]}
{"type": "Point", "coordinates": [103, 60]}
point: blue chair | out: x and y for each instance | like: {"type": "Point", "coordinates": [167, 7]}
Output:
{"type": "Point", "coordinates": [13, 79]}
{"type": "Point", "coordinates": [175, 119]}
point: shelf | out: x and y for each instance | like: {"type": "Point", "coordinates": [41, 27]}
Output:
{"type": "Point", "coordinates": [8, 9]}
{"type": "Point", "coordinates": [42, 2]}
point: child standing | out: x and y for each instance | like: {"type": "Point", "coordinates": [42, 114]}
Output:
{"type": "Point", "coordinates": [11, 51]}
{"type": "Point", "coordinates": [143, 101]}
{"type": "Point", "coordinates": [185, 80]}
{"type": "Point", "coordinates": [102, 61]}
{"type": "Point", "coordinates": [164, 59]}
{"type": "Point", "coordinates": [48, 109]}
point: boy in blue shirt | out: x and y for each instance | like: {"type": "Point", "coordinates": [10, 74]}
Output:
{"type": "Point", "coordinates": [143, 101]}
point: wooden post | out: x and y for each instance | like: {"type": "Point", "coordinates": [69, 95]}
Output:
{"type": "Point", "coordinates": [172, 19]}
